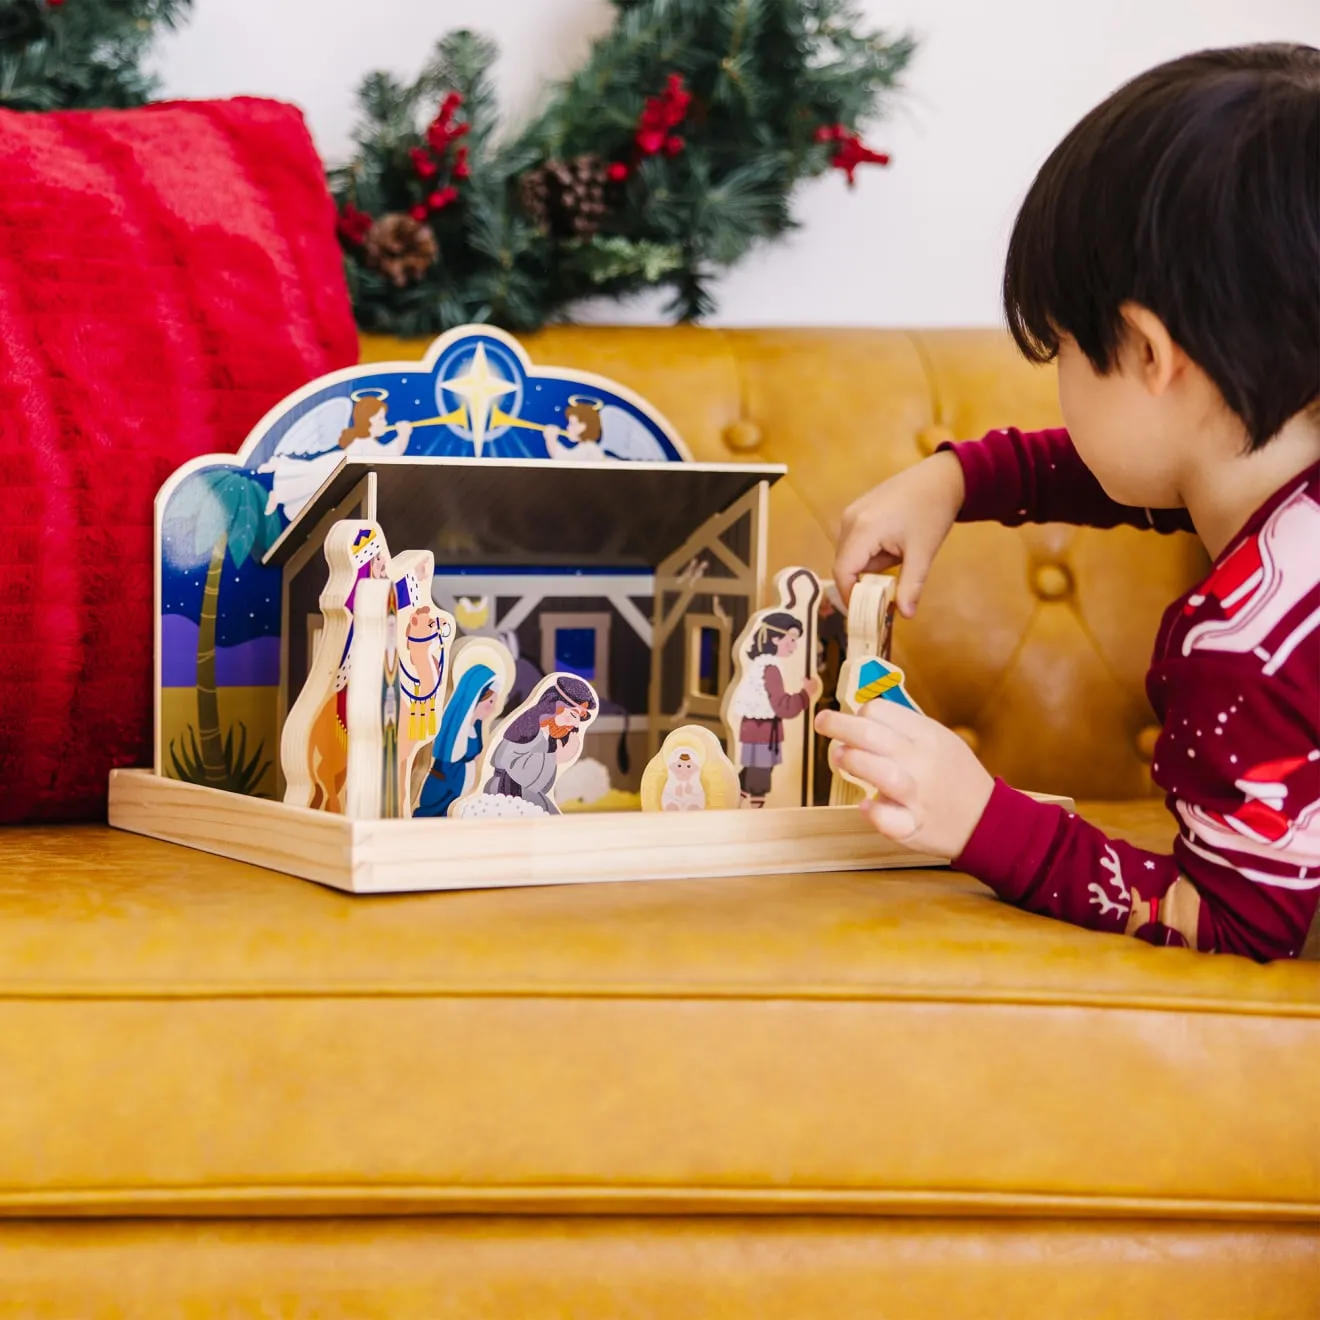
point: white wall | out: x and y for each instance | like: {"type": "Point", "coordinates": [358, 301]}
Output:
{"type": "Point", "coordinates": [995, 84]}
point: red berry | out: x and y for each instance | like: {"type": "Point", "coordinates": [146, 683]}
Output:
{"type": "Point", "coordinates": [353, 223]}
{"type": "Point", "coordinates": [674, 145]}
{"type": "Point", "coordinates": [419, 213]}
{"type": "Point", "coordinates": [651, 140]}
{"type": "Point", "coordinates": [423, 164]}
{"type": "Point", "coordinates": [617, 172]}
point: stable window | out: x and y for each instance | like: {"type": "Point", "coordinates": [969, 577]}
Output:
{"type": "Point", "coordinates": [577, 644]}
{"type": "Point", "coordinates": [708, 662]}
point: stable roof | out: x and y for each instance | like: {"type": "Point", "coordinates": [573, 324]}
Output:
{"type": "Point", "coordinates": [520, 512]}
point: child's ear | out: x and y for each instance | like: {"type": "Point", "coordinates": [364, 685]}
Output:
{"type": "Point", "coordinates": [1150, 350]}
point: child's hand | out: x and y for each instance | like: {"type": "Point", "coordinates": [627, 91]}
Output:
{"type": "Point", "coordinates": [932, 788]}
{"type": "Point", "coordinates": [903, 520]}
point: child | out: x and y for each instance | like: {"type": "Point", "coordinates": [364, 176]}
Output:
{"type": "Point", "coordinates": [1168, 256]}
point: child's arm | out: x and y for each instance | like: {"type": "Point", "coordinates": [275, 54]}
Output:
{"type": "Point", "coordinates": [1015, 476]}
{"type": "Point", "coordinates": [1243, 876]}
{"type": "Point", "coordinates": [1043, 859]}
{"type": "Point", "coordinates": [1010, 477]}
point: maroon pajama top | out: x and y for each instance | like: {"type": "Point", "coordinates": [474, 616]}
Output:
{"type": "Point", "coordinates": [1235, 683]}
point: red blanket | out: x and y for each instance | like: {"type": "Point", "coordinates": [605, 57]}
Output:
{"type": "Point", "coordinates": [166, 275]}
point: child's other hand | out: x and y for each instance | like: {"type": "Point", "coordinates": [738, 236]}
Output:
{"type": "Point", "coordinates": [932, 789]}
{"type": "Point", "coordinates": [902, 520]}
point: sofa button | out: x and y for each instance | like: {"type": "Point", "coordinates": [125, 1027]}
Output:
{"type": "Point", "coordinates": [1146, 741]}
{"type": "Point", "coordinates": [969, 736]}
{"type": "Point", "coordinates": [743, 435]}
{"type": "Point", "coordinates": [1052, 582]}
{"type": "Point", "coordinates": [930, 438]}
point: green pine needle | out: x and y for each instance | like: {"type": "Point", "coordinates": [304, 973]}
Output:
{"type": "Point", "coordinates": [80, 55]}
{"type": "Point", "coordinates": [764, 76]}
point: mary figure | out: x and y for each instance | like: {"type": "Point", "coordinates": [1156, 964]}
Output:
{"type": "Point", "coordinates": [460, 741]}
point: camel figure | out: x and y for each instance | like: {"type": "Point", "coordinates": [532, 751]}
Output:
{"type": "Point", "coordinates": [327, 756]}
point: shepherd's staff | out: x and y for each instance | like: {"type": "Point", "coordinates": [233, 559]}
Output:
{"type": "Point", "coordinates": [809, 623]}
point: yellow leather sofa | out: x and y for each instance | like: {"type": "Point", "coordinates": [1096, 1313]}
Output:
{"type": "Point", "coordinates": [228, 1093]}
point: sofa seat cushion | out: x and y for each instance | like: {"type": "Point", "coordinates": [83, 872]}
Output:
{"type": "Point", "coordinates": [185, 1034]}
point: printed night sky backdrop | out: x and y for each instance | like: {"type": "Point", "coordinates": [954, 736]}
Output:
{"type": "Point", "coordinates": [475, 394]}
{"type": "Point", "coordinates": [247, 622]}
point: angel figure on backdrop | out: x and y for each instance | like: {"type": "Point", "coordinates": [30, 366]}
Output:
{"type": "Point", "coordinates": [311, 449]}
{"type": "Point", "coordinates": [595, 431]}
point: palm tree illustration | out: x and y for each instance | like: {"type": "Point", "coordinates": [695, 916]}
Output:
{"type": "Point", "coordinates": [213, 513]}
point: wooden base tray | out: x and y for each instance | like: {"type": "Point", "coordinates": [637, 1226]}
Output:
{"type": "Point", "coordinates": [395, 856]}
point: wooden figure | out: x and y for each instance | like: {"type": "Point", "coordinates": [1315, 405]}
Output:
{"type": "Point", "coordinates": [871, 616]}
{"type": "Point", "coordinates": [314, 744]}
{"type": "Point", "coordinates": [862, 681]}
{"type": "Point", "coordinates": [770, 705]}
{"type": "Point", "coordinates": [482, 671]}
{"type": "Point", "coordinates": [539, 740]}
{"type": "Point", "coordinates": [690, 773]}
{"type": "Point", "coordinates": [831, 652]}
{"type": "Point", "coordinates": [372, 788]}
{"type": "Point", "coordinates": [425, 635]}
{"type": "Point", "coordinates": [867, 674]}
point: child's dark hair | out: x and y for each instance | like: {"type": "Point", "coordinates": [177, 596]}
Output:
{"type": "Point", "coordinates": [1194, 190]}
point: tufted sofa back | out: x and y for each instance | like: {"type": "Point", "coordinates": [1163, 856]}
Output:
{"type": "Point", "coordinates": [1032, 642]}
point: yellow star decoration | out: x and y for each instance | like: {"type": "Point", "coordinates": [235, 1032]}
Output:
{"type": "Point", "coordinates": [479, 388]}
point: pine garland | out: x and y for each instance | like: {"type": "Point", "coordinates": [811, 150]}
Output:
{"type": "Point", "coordinates": [79, 54]}
{"type": "Point", "coordinates": [663, 160]}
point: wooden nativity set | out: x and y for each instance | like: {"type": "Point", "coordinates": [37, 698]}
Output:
{"type": "Point", "coordinates": [472, 622]}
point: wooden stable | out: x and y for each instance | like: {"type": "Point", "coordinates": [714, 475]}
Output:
{"type": "Point", "coordinates": [673, 550]}
{"type": "Point", "coordinates": [513, 524]}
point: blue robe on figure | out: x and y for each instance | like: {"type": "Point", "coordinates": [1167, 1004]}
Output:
{"type": "Point", "coordinates": [457, 746]}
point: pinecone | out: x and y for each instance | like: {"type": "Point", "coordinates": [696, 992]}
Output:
{"type": "Point", "coordinates": [401, 248]}
{"type": "Point", "coordinates": [566, 198]}
{"type": "Point", "coordinates": [534, 189]}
